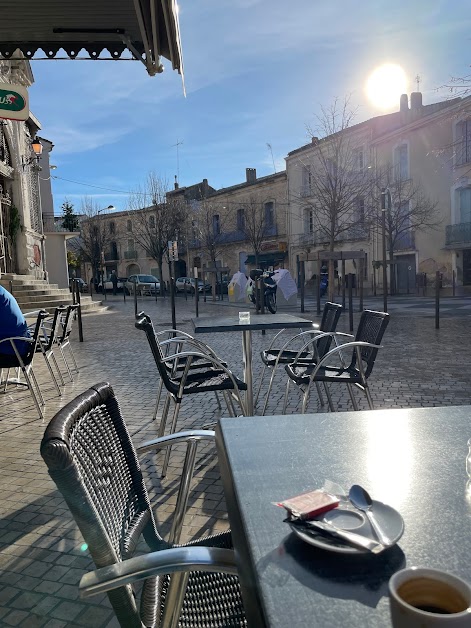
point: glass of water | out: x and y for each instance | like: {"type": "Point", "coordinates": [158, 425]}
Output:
{"type": "Point", "coordinates": [244, 317]}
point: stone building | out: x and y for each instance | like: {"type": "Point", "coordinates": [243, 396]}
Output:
{"type": "Point", "coordinates": [422, 147]}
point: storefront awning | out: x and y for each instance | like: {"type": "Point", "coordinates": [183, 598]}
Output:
{"type": "Point", "coordinates": [149, 29]}
{"type": "Point", "coordinates": [266, 259]}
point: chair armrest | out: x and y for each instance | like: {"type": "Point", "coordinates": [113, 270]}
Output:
{"type": "Point", "coordinates": [314, 341]}
{"type": "Point", "coordinates": [177, 559]}
{"type": "Point", "coordinates": [22, 338]}
{"type": "Point", "coordinates": [192, 438]}
{"type": "Point", "coordinates": [356, 346]}
{"type": "Point", "coordinates": [190, 341]}
{"type": "Point", "coordinates": [156, 444]}
{"type": "Point", "coordinates": [175, 332]}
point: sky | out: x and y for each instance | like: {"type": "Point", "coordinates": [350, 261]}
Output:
{"type": "Point", "coordinates": [257, 72]}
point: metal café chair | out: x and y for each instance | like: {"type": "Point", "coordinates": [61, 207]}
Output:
{"type": "Point", "coordinates": [62, 339]}
{"type": "Point", "coordinates": [215, 377]}
{"type": "Point", "coordinates": [23, 361]}
{"type": "Point", "coordinates": [51, 330]}
{"type": "Point", "coordinates": [364, 350]}
{"type": "Point", "coordinates": [91, 459]}
{"type": "Point", "coordinates": [272, 357]}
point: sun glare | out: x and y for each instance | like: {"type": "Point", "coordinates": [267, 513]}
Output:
{"type": "Point", "coordinates": [385, 85]}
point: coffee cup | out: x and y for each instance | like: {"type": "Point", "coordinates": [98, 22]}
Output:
{"type": "Point", "coordinates": [429, 598]}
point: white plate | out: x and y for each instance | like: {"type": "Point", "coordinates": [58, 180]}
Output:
{"type": "Point", "coordinates": [349, 518]}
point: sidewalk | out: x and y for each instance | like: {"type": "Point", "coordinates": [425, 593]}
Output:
{"type": "Point", "coordinates": [41, 554]}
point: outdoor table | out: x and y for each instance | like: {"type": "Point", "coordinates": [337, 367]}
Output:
{"type": "Point", "coordinates": [213, 324]}
{"type": "Point", "coordinates": [414, 460]}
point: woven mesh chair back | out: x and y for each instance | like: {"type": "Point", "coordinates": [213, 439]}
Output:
{"type": "Point", "coordinates": [67, 322]}
{"type": "Point", "coordinates": [144, 322]}
{"type": "Point", "coordinates": [56, 327]}
{"type": "Point", "coordinates": [370, 329]}
{"type": "Point", "coordinates": [330, 318]}
{"type": "Point", "coordinates": [90, 457]}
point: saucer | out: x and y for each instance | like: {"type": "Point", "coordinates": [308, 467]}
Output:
{"type": "Point", "coordinates": [349, 518]}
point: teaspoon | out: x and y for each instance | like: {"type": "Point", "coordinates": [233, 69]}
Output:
{"type": "Point", "coordinates": [361, 500]}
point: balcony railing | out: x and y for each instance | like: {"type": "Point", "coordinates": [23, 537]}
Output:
{"type": "Point", "coordinates": [318, 237]}
{"type": "Point", "coordinates": [405, 241]}
{"type": "Point", "coordinates": [130, 254]}
{"type": "Point", "coordinates": [237, 235]}
{"type": "Point", "coordinates": [458, 234]}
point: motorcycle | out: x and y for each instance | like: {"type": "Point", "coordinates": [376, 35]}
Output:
{"type": "Point", "coordinates": [269, 285]}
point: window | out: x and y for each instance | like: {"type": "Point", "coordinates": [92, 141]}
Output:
{"type": "Point", "coordinates": [360, 211]}
{"type": "Point", "coordinates": [308, 221]}
{"type": "Point", "coordinates": [152, 222]}
{"type": "Point", "coordinates": [465, 204]}
{"type": "Point", "coordinates": [112, 227]}
{"type": "Point", "coordinates": [129, 225]}
{"type": "Point", "coordinates": [463, 142]}
{"type": "Point", "coordinates": [269, 215]}
{"type": "Point", "coordinates": [306, 181]}
{"type": "Point", "coordinates": [216, 224]}
{"type": "Point", "coordinates": [241, 219]}
{"type": "Point", "coordinates": [358, 159]}
{"type": "Point", "coordinates": [401, 162]}
{"type": "Point", "coordinates": [131, 245]}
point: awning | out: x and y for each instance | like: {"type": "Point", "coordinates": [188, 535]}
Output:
{"type": "Point", "coordinates": [266, 259]}
{"type": "Point", "coordinates": [149, 29]}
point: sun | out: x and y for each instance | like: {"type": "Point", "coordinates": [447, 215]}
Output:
{"type": "Point", "coordinates": [385, 85]}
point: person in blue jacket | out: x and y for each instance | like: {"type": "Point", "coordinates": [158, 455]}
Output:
{"type": "Point", "coordinates": [12, 323]}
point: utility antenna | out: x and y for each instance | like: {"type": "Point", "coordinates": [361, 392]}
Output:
{"type": "Point", "coordinates": [178, 159]}
{"type": "Point", "coordinates": [272, 158]}
{"type": "Point", "coordinates": [418, 80]}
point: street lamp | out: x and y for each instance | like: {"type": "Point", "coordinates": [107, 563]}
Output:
{"type": "Point", "coordinates": [385, 192]}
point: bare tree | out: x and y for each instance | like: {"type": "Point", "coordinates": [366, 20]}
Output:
{"type": "Point", "coordinates": [155, 220]}
{"type": "Point", "coordinates": [256, 220]}
{"type": "Point", "coordinates": [408, 210]}
{"type": "Point", "coordinates": [209, 227]}
{"type": "Point", "coordinates": [95, 236]}
{"type": "Point", "coordinates": [339, 182]}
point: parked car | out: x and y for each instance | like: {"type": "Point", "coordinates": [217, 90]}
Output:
{"type": "Point", "coordinates": [189, 283]}
{"type": "Point", "coordinates": [109, 285]}
{"type": "Point", "coordinates": [144, 284]}
{"type": "Point", "coordinates": [83, 285]}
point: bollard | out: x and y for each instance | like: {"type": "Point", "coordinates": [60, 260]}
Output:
{"type": "Point", "coordinates": [344, 283]}
{"type": "Point", "coordinates": [302, 279]}
{"type": "Point", "coordinates": [135, 299]}
{"type": "Point", "coordinates": [407, 282]}
{"type": "Point", "coordinates": [437, 300]}
{"type": "Point", "coordinates": [454, 282]}
{"type": "Point", "coordinates": [73, 289]}
{"type": "Point", "coordinates": [318, 280]}
{"type": "Point", "coordinates": [79, 312]}
{"type": "Point", "coordinates": [172, 295]}
{"type": "Point", "coordinates": [11, 286]}
{"type": "Point", "coordinates": [184, 290]}
{"type": "Point", "coordinates": [425, 284]}
{"type": "Point", "coordinates": [350, 300]}
{"type": "Point", "coordinates": [155, 288]}
{"type": "Point", "coordinates": [362, 262]}
{"type": "Point", "coordinates": [124, 291]}
{"type": "Point", "coordinates": [196, 302]}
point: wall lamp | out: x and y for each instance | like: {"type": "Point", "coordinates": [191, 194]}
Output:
{"type": "Point", "coordinates": [37, 149]}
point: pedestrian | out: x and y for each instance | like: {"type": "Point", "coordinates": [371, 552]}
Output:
{"type": "Point", "coordinates": [12, 324]}
{"type": "Point", "coordinates": [114, 281]}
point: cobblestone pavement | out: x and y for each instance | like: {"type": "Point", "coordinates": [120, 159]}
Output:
{"type": "Point", "coordinates": [41, 558]}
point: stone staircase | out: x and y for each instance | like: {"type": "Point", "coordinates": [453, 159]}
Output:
{"type": "Point", "coordinates": [35, 294]}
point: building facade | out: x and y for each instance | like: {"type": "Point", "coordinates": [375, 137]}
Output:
{"type": "Point", "coordinates": [420, 155]}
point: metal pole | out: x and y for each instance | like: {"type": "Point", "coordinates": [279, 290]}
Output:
{"type": "Point", "coordinates": [362, 263]}
{"type": "Point", "coordinates": [302, 282]}
{"type": "Point", "coordinates": [437, 300]}
{"type": "Point", "coordinates": [344, 283]}
{"type": "Point", "coordinates": [454, 282]}
{"type": "Point", "coordinates": [319, 287]}
{"type": "Point", "coordinates": [172, 294]}
{"type": "Point", "coordinates": [195, 274]}
{"type": "Point", "coordinates": [350, 300]}
{"type": "Point", "coordinates": [11, 286]}
{"type": "Point", "coordinates": [385, 270]}
{"type": "Point", "coordinates": [155, 288]}
{"type": "Point", "coordinates": [135, 299]}
{"type": "Point", "coordinates": [79, 311]}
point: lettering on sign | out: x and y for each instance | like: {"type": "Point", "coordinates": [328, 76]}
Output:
{"type": "Point", "coordinates": [13, 102]}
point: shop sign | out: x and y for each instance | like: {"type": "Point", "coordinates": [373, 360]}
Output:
{"type": "Point", "coordinates": [13, 102]}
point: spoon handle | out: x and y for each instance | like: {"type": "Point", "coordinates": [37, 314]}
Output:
{"type": "Point", "coordinates": [377, 528]}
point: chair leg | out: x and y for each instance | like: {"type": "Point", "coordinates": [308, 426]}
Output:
{"type": "Point", "coordinates": [368, 397]}
{"type": "Point", "coordinates": [218, 401]}
{"type": "Point", "coordinates": [260, 384]}
{"type": "Point", "coordinates": [285, 402]}
{"type": "Point", "coordinates": [306, 397]}
{"type": "Point", "coordinates": [173, 428]}
{"type": "Point", "coordinates": [329, 397]}
{"type": "Point", "coordinates": [352, 396]}
{"type": "Point", "coordinates": [53, 377]}
{"type": "Point", "coordinates": [230, 407]}
{"type": "Point", "coordinates": [157, 402]}
{"type": "Point", "coordinates": [319, 392]}
{"type": "Point", "coordinates": [39, 403]}
{"type": "Point", "coordinates": [267, 396]}
{"type": "Point", "coordinates": [76, 368]}
{"type": "Point", "coordinates": [163, 420]}
{"type": "Point", "coordinates": [53, 357]}
{"type": "Point", "coordinates": [66, 363]}
{"type": "Point", "coordinates": [229, 395]}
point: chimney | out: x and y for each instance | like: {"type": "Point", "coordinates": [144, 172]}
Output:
{"type": "Point", "coordinates": [251, 175]}
{"type": "Point", "coordinates": [205, 187]}
{"type": "Point", "coordinates": [404, 103]}
{"type": "Point", "coordinates": [175, 185]}
{"type": "Point", "coordinates": [314, 140]}
{"type": "Point", "coordinates": [416, 101]}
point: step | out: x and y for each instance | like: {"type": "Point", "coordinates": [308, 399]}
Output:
{"type": "Point", "coordinates": [22, 294]}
